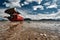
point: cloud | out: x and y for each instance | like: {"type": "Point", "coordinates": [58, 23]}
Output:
{"type": "Point", "coordinates": [12, 3]}
{"type": "Point", "coordinates": [26, 3]}
{"type": "Point", "coordinates": [52, 6]}
{"type": "Point", "coordinates": [25, 14]}
{"type": "Point", "coordinates": [14, 0]}
{"type": "Point", "coordinates": [22, 4]}
{"type": "Point", "coordinates": [53, 15]}
{"type": "Point", "coordinates": [47, 4]}
{"type": "Point", "coordinates": [38, 6]}
{"type": "Point", "coordinates": [38, 1]}
{"type": "Point", "coordinates": [2, 14]}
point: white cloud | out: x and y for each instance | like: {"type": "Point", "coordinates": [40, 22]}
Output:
{"type": "Point", "coordinates": [38, 6]}
{"type": "Point", "coordinates": [40, 16]}
{"type": "Point", "coordinates": [53, 15]}
{"type": "Point", "coordinates": [29, 0]}
{"type": "Point", "coordinates": [47, 4]}
{"type": "Point", "coordinates": [22, 4]}
{"type": "Point", "coordinates": [14, 0]}
{"type": "Point", "coordinates": [26, 3]}
{"type": "Point", "coordinates": [38, 1]}
{"type": "Point", "coordinates": [50, 16]}
{"type": "Point", "coordinates": [25, 14]}
{"type": "Point", "coordinates": [2, 14]}
{"type": "Point", "coordinates": [52, 6]}
{"type": "Point", "coordinates": [12, 3]}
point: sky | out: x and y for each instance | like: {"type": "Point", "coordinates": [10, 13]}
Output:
{"type": "Point", "coordinates": [43, 9]}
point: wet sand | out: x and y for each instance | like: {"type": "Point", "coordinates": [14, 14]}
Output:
{"type": "Point", "coordinates": [30, 30]}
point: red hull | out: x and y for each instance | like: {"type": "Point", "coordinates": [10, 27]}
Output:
{"type": "Point", "coordinates": [18, 18]}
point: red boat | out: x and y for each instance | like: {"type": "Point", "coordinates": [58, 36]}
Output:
{"type": "Point", "coordinates": [14, 16]}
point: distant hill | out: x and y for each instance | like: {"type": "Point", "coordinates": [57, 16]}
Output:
{"type": "Point", "coordinates": [50, 20]}
{"type": "Point", "coordinates": [43, 19]}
